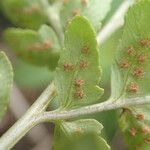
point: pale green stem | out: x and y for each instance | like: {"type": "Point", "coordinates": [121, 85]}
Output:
{"type": "Point", "coordinates": [29, 120]}
{"type": "Point", "coordinates": [96, 108]}
{"type": "Point", "coordinates": [37, 114]}
{"type": "Point", "coordinates": [115, 22]}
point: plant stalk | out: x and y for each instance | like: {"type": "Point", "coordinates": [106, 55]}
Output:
{"type": "Point", "coordinates": [36, 114]}
{"type": "Point", "coordinates": [96, 108]}
{"type": "Point", "coordinates": [29, 120]}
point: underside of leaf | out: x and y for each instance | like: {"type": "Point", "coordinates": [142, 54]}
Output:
{"type": "Point", "coordinates": [131, 69]}
{"type": "Point", "coordinates": [6, 81]}
{"type": "Point", "coordinates": [79, 135]}
{"type": "Point", "coordinates": [78, 73]}
{"type": "Point", "coordinates": [40, 48]}
{"type": "Point", "coordinates": [24, 13]}
{"type": "Point", "coordinates": [131, 75]}
{"type": "Point", "coordinates": [94, 10]}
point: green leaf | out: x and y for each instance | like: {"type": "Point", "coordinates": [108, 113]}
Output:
{"type": "Point", "coordinates": [6, 81]}
{"type": "Point", "coordinates": [85, 126]}
{"type": "Point", "coordinates": [130, 72]}
{"type": "Point", "coordinates": [32, 77]}
{"type": "Point", "coordinates": [79, 135]}
{"type": "Point", "coordinates": [131, 75]}
{"type": "Point", "coordinates": [40, 48]}
{"type": "Point", "coordinates": [115, 4]}
{"type": "Point", "coordinates": [94, 10]}
{"type": "Point", "coordinates": [134, 123]}
{"type": "Point", "coordinates": [24, 13]}
{"type": "Point", "coordinates": [78, 73]}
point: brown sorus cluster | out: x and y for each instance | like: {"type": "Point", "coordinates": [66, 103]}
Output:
{"type": "Point", "coordinates": [35, 7]}
{"type": "Point", "coordinates": [130, 51]}
{"type": "Point", "coordinates": [84, 2]}
{"type": "Point", "coordinates": [68, 67]}
{"type": "Point", "coordinates": [147, 140]}
{"type": "Point", "coordinates": [144, 42]}
{"type": "Point", "coordinates": [79, 82]}
{"type": "Point", "coordinates": [140, 116]}
{"type": "Point", "coordinates": [124, 64]}
{"type": "Point", "coordinates": [39, 46]}
{"type": "Point", "coordinates": [142, 58]}
{"type": "Point", "coordinates": [133, 131]}
{"type": "Point", "coordinates": [30, 10]}
{"type": "Point", "coordinates": [145, 130]}
{"type": "Point", "coordinates": [79, 93]}
{"type": "Point", "coordinates": [47, 44]}
{"type": "Point", "coordinates": [76, 12]}
{"type": "Point", "coordinates": [65, 2]}
{"type": "Point", "coordinates": [133, 87]}
{"type": "Point", "coordinates": [83, 64]}
{"type": "Point", "coordinates": [138, 72]}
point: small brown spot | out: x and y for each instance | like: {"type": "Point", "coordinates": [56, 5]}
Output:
{"type": "Point", "coordinates": [130, 51]}
{"type": "Point", "coordinates": [145, 130]}
{"type": "Point", "coordinates": [31, 9]}
{"type": "Point", "coordinates": [79, 82]}
{"type": "Point", "coordinates": [35, 7]}
{"type": "Point", "coordinates": [124, 64]}
{"type": "Point", "coordinates": [133, 131]}
{"type": "Point", "coordinates": [79, 94]}
{"type": "Point", "coordinates": [83, 64]}
{"type": "Point", "coordinates": [68, 67]}
{"type": "Point", "coordinates": [142, 58]}
{"type": "Point", "coordinates": [125, 109]}
{"type": "Point", "coordinates": [138, 72]}
{"type": "Point", "coordinates": [47, 44]}
{"type": "Point", "coordinates": [65, 2]}
{"type": "Point", "coordinates": [84, 2]}
{"type": "Point", "coordinates": [85, 50]}
{"type": "Point", "coordinates": [76, 12]}
{"type": "Point", "coordinates": [140, 116]}
{"type": "Point", "coordinates": [28, 11]}
{"type": "Point", "coordinates": [147, 140]}
{"type": "Point", "coordinates": [133, 87]}
{"type": "Point", "coordinates": [144, 42]}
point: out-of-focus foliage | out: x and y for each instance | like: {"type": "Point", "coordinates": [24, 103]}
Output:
{"type": "Point", "coordinates": [40, 48]}
{"type": "Point", "coordinates": [25, 13]}
{"type": "Point", "coordinates": [130, 75]}
{"type": "Point", "coordinates": [30, 76]}
{"type": "Point", "coordinates": [78, 135]}
{"type": "Point", "coordinates": [94, 10]}
{"type": "Point", "coordinates": [6, 80]}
